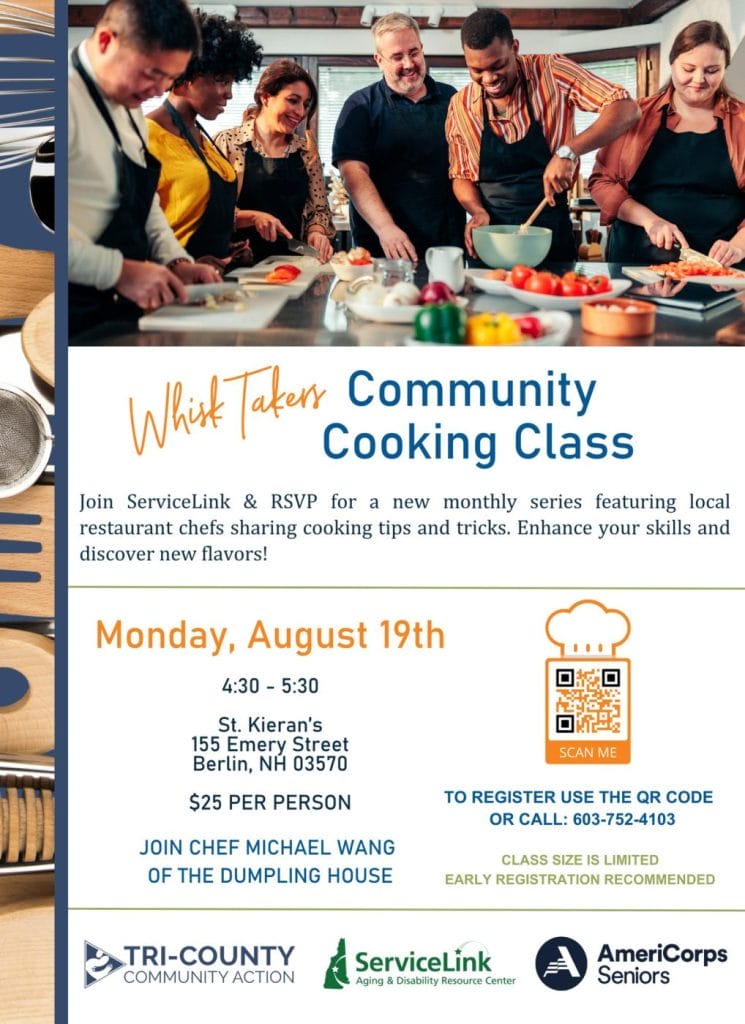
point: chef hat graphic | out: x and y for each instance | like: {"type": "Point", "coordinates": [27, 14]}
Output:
{"type": "Point", "coordinates": [588, 629]}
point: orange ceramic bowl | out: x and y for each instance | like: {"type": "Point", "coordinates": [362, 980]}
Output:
{"type": "Point", "coordinates": [618, 318]}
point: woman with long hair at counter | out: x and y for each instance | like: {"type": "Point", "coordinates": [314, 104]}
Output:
{"type": "Point", "coordinates": [198, 186]}
{"type": "Point", "coordinates": [281, 192]}
{"type": "Point", "coordinates": [677, 178]}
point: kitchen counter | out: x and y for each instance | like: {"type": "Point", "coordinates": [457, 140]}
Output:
{"type": "Point", "coordinates": [319, 318]}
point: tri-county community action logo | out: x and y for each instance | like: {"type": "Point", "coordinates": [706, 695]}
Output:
{"type": "Point", "coordinates": [98, 964]}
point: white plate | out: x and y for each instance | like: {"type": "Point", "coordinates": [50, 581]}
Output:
{"type": "Point", "coordinates": [479, 280]}
{"type": "Point", "coordinates": [618, 287]}
{"type": "Point", "coordinates": [254, 277]}
{"type": "Point", "coordinates": [254, 312]}
{"type": "Point", "coordinates": [556, 323]}
{"type": "Point", "coordinates": [390, 314]}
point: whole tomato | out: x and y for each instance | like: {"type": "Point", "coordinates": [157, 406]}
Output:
{"type": "Point", "coordinates": [543, 283]}
{"type": "Point", "coordinates": [598, 284]}
{"type": "Point", "coordinates": [530, 326]}
{"type": "Point", "coordinates": [519, 275]}
{"type": "Point", "coordinates": [570, 289]}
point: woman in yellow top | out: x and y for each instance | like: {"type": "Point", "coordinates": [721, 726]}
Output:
{"type": "Point", "coordinates": [198, 186]}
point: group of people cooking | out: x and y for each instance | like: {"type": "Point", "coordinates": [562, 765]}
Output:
{"type": "Point", "coordinates": [157, 203]}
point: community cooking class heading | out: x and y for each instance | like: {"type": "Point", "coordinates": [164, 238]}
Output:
{"type": "Point", "coordinates": [177, 413]}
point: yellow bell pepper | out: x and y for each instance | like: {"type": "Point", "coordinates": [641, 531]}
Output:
{"type": "Point", "coordinates": [492, 329]}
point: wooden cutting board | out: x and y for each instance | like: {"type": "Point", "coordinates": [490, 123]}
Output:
{"type": "Point", "coordinates": [27, 961]}
{"type": "Point", "coordinates": [25, 596]}
{"type": "Point", "coordinates": [37, 339]}
{"type": "Point", "coordinates": [27, 726]}
{"type": "Point", "coordinates": [26, 277]}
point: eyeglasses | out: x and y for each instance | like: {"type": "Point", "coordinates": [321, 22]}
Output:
{"type": "Point", "coordinates": [398, 58]}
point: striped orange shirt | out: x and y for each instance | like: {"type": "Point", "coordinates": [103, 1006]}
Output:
{"type": "Point", "coordinates": [556, 86]}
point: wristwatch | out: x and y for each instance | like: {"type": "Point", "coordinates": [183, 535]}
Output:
{"type": "Point", "coordinates": [567, 153]}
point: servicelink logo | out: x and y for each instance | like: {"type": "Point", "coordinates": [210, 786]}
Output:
{"type": "Point", "coordinates": [466, 963]}
{"type": "Point", "coordinates": [98, 964]}
{"type": "Point", "coordinates": [336, 972]}
{"type": "Point", "coordinates": [561, 963]}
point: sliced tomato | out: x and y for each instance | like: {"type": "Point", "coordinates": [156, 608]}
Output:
{"type": "Point", "coordinates": [599, 284]}
{"type": "Point", "coordinates": [360, 262]}
{"type": "Point", "coordinates": [520, 274]}
{"type": "Point", "coordinates": [543, 283]}
{"type": "Point", "coordinates": [282, 274]}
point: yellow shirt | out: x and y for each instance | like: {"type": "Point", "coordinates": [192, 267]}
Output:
{"type": "Point", "coordinates": [184, 187]}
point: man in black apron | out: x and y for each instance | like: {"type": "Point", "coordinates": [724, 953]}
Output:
{"type": "Point", "coordinates": [123, 255]}
{"type": "Point", "coordinates": [519, 114]}
{"type": "Point", "coordinates": [390, 147]}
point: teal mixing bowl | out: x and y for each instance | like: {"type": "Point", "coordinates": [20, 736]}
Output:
{"type": "Point", "coordinates": [500, 245]}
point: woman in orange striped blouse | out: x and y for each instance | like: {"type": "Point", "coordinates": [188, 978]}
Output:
{"type": "Point", "coordinates": [530, 149]}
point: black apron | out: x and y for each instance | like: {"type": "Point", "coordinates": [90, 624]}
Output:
{"type": "Point", "coordinates": [511, 184]}
{"type": "Point", "coordinates": [214, 231]}
{"type": "Point", "coordinates": [126, 230]}
{"type": "Point", "coordinates": [414, 186]}
{"type": "Point", "coordinates": [276, 185]}
{"type": "Point", "coordinates": [687, 179]}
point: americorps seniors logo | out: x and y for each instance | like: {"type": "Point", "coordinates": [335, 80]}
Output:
{"type": "Point", "coordinates": [561, 963]}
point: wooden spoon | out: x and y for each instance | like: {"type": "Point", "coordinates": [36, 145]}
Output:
{"type": "Point", "coordinates": [524, 226]}
{"type": "Point", "coordinates": [26, 277]}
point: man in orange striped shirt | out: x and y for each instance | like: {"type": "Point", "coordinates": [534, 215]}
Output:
{"type": "Point", "coordinates": [530, 149]}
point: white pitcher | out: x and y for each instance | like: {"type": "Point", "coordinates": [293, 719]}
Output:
{"type": "Point", "coordinates": [445, 263]}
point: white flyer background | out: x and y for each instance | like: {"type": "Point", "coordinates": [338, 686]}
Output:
{"type": "Point", "coordinates": [450, 702]}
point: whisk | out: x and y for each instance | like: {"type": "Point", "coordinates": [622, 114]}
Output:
{"type": "Point", "coordinates": [41, 84]}
{"type": "Point", "coordinates": [31, 20]}
{"type": "Point", "coordinates": [22, 131]}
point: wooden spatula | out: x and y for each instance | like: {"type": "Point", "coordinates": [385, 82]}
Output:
{"type": "Point", "coordinates": [526, 224]}
{"type": "Point", "coordinates": [27, 726]}
{"type": "Point", "coordinates": [28, 596]}
{"type": "Point", "coordinates": [26, 277]}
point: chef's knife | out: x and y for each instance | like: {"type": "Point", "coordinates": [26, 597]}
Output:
{"type": "Point", "coordinates": [302, 248]}
{"type": "Point", "coordinates": [688, 255]}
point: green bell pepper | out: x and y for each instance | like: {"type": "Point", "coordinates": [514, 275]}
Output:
{"type": "Point", "coordinates": [445, 323]}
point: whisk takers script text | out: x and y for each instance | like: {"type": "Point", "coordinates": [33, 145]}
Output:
{"type": "Point", "coordinates": [228, 401]}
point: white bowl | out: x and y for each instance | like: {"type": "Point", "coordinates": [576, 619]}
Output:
{"type": "Point", "coordinates": [351, 271]}
{"type": "Point", "coordinates": [478, 278]}
{"type": "Point", "coordinates": [618, 287]}
{"type": "Point", "coordinates": [390, 314]}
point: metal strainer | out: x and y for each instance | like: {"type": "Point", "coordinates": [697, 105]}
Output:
{"type": "Point", "coordinates": [25, 440]}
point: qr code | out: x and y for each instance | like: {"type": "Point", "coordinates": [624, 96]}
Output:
{"type": "Point", "coordinates": [588, 700]}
